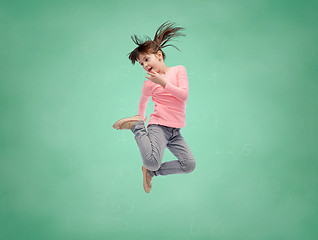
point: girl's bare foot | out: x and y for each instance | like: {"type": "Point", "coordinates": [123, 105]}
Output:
{"type": "Point", "coordinates": [126, 123]}
{"type": "Point", "coordinates": [146, 179]}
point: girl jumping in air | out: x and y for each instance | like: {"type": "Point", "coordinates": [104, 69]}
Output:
{"type": "Point", "coordinates": [168, 87]}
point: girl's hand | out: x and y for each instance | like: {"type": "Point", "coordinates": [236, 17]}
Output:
{"type": "Point", "coordinates": [156, 78]}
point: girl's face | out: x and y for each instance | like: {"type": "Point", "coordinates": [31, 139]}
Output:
{"type": "Point", "coordinates": [150, 61]}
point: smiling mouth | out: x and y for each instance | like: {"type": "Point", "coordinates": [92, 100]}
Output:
{"type": "Point", "coordinates": [149, 69]}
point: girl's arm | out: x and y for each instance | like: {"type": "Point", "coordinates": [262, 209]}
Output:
{"type": "Point", "coordinates": [181, 92]}
{"type": "Point", "coordinates": [143, 105]}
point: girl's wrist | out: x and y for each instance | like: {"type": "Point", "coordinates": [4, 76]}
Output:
{"type": "Point", "coordinates": [163, 83]}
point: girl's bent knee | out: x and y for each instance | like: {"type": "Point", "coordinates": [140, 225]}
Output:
{"type": "Point", "coordinates": [189, 166]}
{"type": "Point", "coordinates": [151, 165]}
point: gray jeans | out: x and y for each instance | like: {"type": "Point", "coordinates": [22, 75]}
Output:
{"type": "Point", "coordinates": [152, 145]}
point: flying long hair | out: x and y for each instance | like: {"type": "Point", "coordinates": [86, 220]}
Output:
{"type": "Point", "coordinates": [166, 32]}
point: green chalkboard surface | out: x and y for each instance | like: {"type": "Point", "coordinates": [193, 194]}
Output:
{"type": "Point", "coordinates": [252, 115]}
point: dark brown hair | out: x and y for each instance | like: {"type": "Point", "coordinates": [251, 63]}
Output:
{"type": "Point", "coordinates": [164, 34]}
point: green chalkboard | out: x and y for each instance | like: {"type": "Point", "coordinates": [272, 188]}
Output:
{"type": "Point", "coordinates": [252, 115]}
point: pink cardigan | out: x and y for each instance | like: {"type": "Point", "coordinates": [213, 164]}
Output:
{"type": "Point", "coordinates": [170, 102]}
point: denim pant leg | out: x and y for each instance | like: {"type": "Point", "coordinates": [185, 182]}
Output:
{"type": "Point", "coordinates": [179, 148]}
{"type": "Point", "coordinates": [151, 144]}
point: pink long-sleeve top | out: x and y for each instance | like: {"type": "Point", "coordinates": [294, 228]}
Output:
{"type": "Point", "coordinates": [170, 102]}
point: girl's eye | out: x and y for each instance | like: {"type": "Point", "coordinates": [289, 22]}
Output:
{"type": "Point", "coordinates": [146, 61]}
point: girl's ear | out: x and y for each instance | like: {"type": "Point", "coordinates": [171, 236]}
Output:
{"type": "Point", "coordinates": [159, 54]}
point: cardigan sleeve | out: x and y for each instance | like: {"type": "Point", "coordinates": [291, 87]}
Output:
{"type": "Point", "coordinates": [143, 105]}
{"type": "Point", "coordinates": [182, 90]}
{"type": "Point", "coordinates": [144, 99]}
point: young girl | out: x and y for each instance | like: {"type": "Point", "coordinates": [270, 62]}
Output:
{"type": "Point", "coordinates": [168, 87]}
